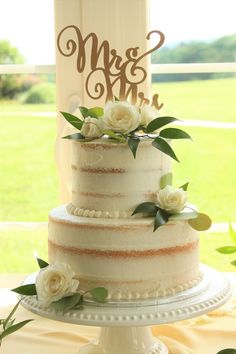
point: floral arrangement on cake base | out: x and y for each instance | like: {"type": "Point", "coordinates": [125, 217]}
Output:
{"type": "Point", "coordinates": [56, 285]}
{"type": "Point", "coordinates": [125, 123]}
{"type": "Point", "coordinates": [172, 204]}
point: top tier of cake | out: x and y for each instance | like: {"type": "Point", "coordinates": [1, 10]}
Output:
{"type": "Point", "coordinates": [107, 181]}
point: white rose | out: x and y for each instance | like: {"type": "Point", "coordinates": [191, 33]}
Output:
{"type": "Point", "coordinates": [121, 117]}
{"type": "Point", "coordinates": [92, 128]}
{"type": "Point", "coordinates": [171, 199]}
{"type": "Point", "coordinates": [55, 282]}
{"type": "Point", "coordinates": [148, 113]}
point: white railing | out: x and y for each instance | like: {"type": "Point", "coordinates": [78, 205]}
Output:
{"type": "Point", "coordinates": [155, 68]}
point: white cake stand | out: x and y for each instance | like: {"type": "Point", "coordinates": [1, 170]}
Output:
{"type": "Point", "coordinates": [125, 324]}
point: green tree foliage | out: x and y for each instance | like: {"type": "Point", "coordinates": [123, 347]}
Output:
{"type": "Point", "coordinates": [219, 50]}
{"type": "Point", "coordinates": [10, 85]}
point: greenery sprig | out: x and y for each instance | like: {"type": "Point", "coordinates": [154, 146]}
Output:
{"type": "Point", "coordinates": [74, 301]}
{"type": "Point", "coordinates": [196, 220]}
{"type": "Point", "coordinates": [8, 325]}
{"type": "Point", "coordinates": [153, 131]}
{"type": "Point", "coordinates": [230, 249]}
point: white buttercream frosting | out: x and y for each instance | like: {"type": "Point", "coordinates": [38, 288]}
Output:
{"type": "Point", "coordinates": [107, 178]}
{"type": "Point", "coordinates": [125, 255]}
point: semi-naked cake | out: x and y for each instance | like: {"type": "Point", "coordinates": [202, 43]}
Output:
{"type": "Point", "coordinates": [98, 236]}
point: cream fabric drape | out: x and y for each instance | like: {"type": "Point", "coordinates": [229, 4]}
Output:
{"type": "Point", "coordinates": [124, 24]}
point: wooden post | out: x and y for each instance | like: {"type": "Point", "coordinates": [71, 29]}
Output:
{"type": "Point", "coordinates": [124, 24]}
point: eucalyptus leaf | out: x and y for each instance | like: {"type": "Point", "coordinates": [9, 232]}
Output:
{"type": "Point", "coordinates": [95, 112]}
{"type": "Point", "coordinates": [133, 145]}
{"type": "Point", "coordinates": [201, 223]}
{"type": "Point", "coordinates": [77, 137]}
{"type": "Point", "coordinates": [233, 263]}
{"type": "Point", "coordinates": [174, 133]}
{"type": "Point", "coordinates": [42, 263]}
{"type": "Point", "coordinates": [161, 218]}
{"type": "Point", "coordinates": [13, 328]}
{"type": "Point", "coordinates": [232, 233]}
{"type": "Point", "coordinates": [73, 120]}
{"type": "Point", "coordinates": [159, 122]}
{"type": "Point", "coordinates": [84, 111]}
{"type": "Point", "coordinates": [227, 351]}
{"type": "Point", "coordinates": [116, 99]}
{"type": "Point", "coordinates": [166, 180]}
{"type": "Point", "coordinates": [67, 303]}
{"type": "Point", "coordinates": [28, 289]}
{"type": "Point", "coordinates": [226, 249]}
{"type": "Point", "coordinates": [164, 147]}
{"type": "Point", "coordinates": [184, 186]}
{"type": "Point", "coordinates": [146, 208]}
{"type": "Point", "coordinates": [115, 136]}
{"type": "Point", "coordinates": [98, 294]}
{"type": "Point", "coordinates": [184, 216]}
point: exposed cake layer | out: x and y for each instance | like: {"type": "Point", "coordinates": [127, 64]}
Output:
{"type": "Point", "coordinates": [125, 255]}
{"type": "Point", "coordinates": [107, 178]}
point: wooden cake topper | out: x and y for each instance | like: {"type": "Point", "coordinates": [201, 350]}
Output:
{"type": "Point", "coordinates": [118, 77]}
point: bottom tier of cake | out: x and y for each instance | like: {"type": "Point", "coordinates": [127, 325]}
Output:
{"type": "Point", "coordinates": [125, 255]}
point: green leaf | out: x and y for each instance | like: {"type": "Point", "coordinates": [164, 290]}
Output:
{"type": "Point", "coordinates": [29, 289]}
{"type": "Point", "coordinates": [95, 112]}
{"type": "Point", "coordinates": [233, 263]}
{"type": "Point", "coordinates": [67, 303]}
{"type": "Point", "coordinates": [133, 145]}
{"type": "Point", "coordinates": [201, 223]}
{"type": "Point", "coordinates": [115, 136]}
{"type": "Point", "coordinates": [227, 351]}
{"type": "Point", "coordinates": [77, 137]}
{"type": "Point", "coordinates": [98, 294]}
{"type": "Point", "coordinates": [184, 215]}
{"type": "Point", "coordinates": [5, 322]}
{"type": "Point", "coordinates": [146, 208]}
{"type": "Point", "coordinates": [84, 111]}
{"type": "Point", "coordinates": [226, 249]}
{"type": "Point", "coordinates": [174, 133]}
{"type": "Point", "coordinates": [116, 99]}
{"type": "Point", "coordinates": [184, 186]}
{"type": "Point", "coordinates": [166, 180]}
{"type": "Point", "coordinates": [232, 233]}
{"type": "Point", "coordinates": [158, 123]}
{"type": "Point", "coordinates": [14, 328]}
{"type": "Point", "coordinates": [163, 146]}
{"type": "Point", "coordinates": [161, 218]}
{"type": "Point", "coordinates": [42, 263]}
{"type": "Point", "coordinates": [73, 120]}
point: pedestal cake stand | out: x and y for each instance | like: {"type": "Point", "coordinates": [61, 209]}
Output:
{"type": "Point", "coordinates": [125, 324]}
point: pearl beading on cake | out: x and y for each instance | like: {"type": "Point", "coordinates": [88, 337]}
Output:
{"type": "Point", "coordinates": [134, 295]}
{"type": "Point", "coordinates": [71, 209]}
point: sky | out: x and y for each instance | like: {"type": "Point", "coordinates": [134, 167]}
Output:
{"type": "Point", "coordinates": [29, 24]}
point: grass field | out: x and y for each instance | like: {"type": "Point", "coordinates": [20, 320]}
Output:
{"type": "Point", "coordinates": [212, 100]}
{"type": "Point", "coordinates": [29, 187]}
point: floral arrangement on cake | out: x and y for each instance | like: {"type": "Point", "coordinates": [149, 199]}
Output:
{"type": "Point", "coordinates": [172, 204]}
{"type": "Point", "coordinates": [57, 285]}
{"type": "Point", "coordinates": [125, 123]}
